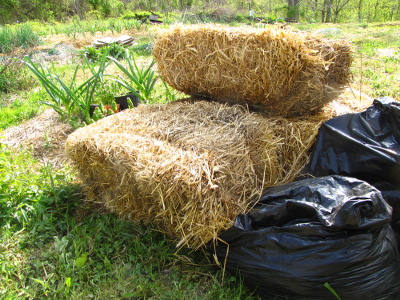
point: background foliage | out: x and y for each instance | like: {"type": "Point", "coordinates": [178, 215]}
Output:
{"type": "Point", "coordinates": [308, 10]}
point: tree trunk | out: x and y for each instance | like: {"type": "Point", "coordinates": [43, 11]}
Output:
{"type": "Point", "coordinates": [376, 10]}
{"type": "Point", "coordinates": [314, 6]}
{"type": "Point", "coordinates": [326, 12]}
{"type": "Point", "coordinates": [269, 6]}
{"type": "Point", "coordinates": [78, 8]}
{"type": "Point", "coordinates": [338, 8]}
{"type": "Point", "coordinates": [293, 11]}
{"type": "Point", "coordinates": [359, 8]}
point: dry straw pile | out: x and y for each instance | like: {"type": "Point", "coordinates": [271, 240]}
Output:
{"type": "Point", "coordinates": [44, 134]}
{"type": "Point", "coordinates": [286, 73]}
{"type": "Point", "coordinates": [189, 167]}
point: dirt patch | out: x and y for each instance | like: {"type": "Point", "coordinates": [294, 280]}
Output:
{"type": "Point", "coordinates": [44, 134]}
{"type": "Point", "coordinates": [388, 52]}
{"type": "Point", "coordinates": [62, 53]}
{"type": "Point", "coordinates": [86, 39]}
{"type": "Point", "coordinates": [387, 24]}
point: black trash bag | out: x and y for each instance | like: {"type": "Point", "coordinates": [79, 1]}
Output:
{"type": "Point", "coordinates": [364, 145]}
{"type": "Point", "coordinates": [300, 235]}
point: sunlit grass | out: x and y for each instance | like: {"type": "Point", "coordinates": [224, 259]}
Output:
{"type": "Point", "coordinates": [56, 246]}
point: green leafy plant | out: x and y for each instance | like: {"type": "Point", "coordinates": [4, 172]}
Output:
{"type": "Point", "coordinates": [106, 92]}
{"type": "Point", "coordinates": [169, 95]}
{"type": "Point", "coordinates": [71, 101]}
{"type": "Point", "coordinates": [8, 76]}
{"type": "Point", "coordinates": [93, 55]}
{"type": "Point", "coordinates": [25, 37]}
{"type": "Point", "coordinates": [90, 53]}
{"type": "Point", "coordinates": [140, 81]}
{"type": "Point", "coordinates": [128, 16]}
{"type": "Point", "coordinates": [115, 50]}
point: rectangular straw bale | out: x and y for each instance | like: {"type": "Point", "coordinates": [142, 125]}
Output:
{"type": "Point", "coordinates": [189, 167]}
{"type": "Point", "coordinates": [286, 73]}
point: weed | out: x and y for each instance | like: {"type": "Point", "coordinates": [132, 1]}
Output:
{"type": "Point", "coordinates": [106, 92]}
{"type": "Point", "coordinates": [8, 80]}
{"type": "Point", "coordinates": [115, 50]}
{"type": "Point", "coordinates": [53, 51]}
{"type": "Point", "coordinates": [328, 286]}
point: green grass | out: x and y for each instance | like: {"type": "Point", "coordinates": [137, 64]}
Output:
{"type": "Point", "coordinates": [377, 61]}
{"type": "Point", "coordinates": [55, 246]}
{"type": "Point", "coordinates": [375, 73]}
{"type": "Point", "coordinates": [17, 37]}
{"type": "Point", "coordinates": [25, 107]}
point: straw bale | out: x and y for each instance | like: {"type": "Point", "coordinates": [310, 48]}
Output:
{"type": "Point", "coordinates": [189, 167]}
{"type": "Point", "coordinates": [285, 73]}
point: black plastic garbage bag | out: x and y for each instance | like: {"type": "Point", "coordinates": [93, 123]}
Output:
{"type": "Point", "coordinates": [366, 146]}
{"type": "Point", "coordinates": [298, 236]}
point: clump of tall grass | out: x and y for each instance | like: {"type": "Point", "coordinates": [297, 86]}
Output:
{"type": "Point", "coordinates": [19, 37]}
{"type": "Point", "coordinates": [13, 77]}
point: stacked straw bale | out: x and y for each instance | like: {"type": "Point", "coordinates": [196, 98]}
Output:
{"type": "Point", "coordinates": [189, 167]}
{"type": "Point", "coordinates": [281, 72]}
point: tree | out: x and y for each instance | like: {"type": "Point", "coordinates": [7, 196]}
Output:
{"type": "Point", "coordinates": [8, 10]}
{"type": "Point", "coordinates": [78, 7]}
{"type": "Point", "coordinates": [338, 6]}
{"type": "Point", "coordinates": [326, 12]}
{"type": "Point", "coordinates": [359, 10]}
{"type": "Point", "coordinates": [293, 10]}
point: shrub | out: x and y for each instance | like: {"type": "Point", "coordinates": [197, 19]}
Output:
{"type": "Point", "coordinates": [142, 15]}
{"type": "Point", "coordinates": [128, 16]}
{"type": "Point", "coordinates": [240, 18]}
